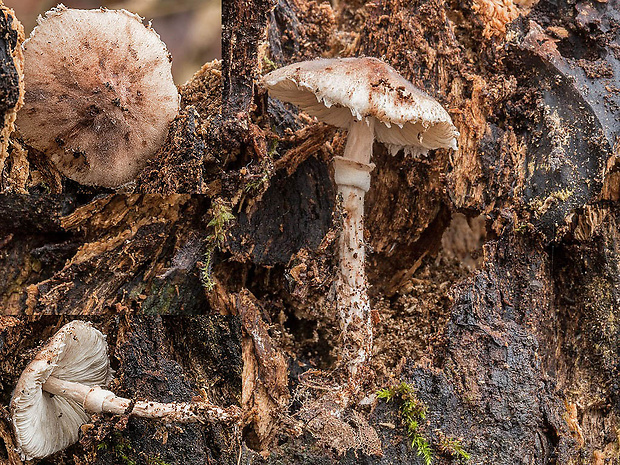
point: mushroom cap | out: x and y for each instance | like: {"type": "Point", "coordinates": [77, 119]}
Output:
{"type": "Point", "coordinates": [341, 90]}
{"type": "Point", "coordinates": [99, 93]}
{"type": "Point", "coordinates": [46, 423]}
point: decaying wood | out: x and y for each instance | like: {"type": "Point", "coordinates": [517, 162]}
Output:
{"type": "Point", "coordinates": [306, 143]}
{"type": "Point", "coordinates": [11, 84]}
{"type": "Point", "coordinates": [243, 23]}
{"type": "Point", "coordinates": [190, 158]}
{"type": "Point", "coordinates": [265, 377]}
{"type": "Point", "coordinates": [536, 112]}
{"type": "Point", "coordinates": [155, 358]}
{"type": "Point", "coordinates": [512, 345]}
{"type": "Point", "coordinates": [138, 251]}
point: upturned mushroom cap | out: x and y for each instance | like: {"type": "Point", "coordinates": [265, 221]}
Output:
{"type": "Point", "coordinates": [99, 93]}
{"type": "Point", "coordinates": [341, 90]}
{"type": "Point", "coordinates": [45, 423]}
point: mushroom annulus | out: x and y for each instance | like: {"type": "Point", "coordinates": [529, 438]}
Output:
{"type": "Point", "coordinates": [62, 385]}
{"type": "Point", "coordinates": [99, 93]}
{"type": "Point", "coordinates": [373, 102]}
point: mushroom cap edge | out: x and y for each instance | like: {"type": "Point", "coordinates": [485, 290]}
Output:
{"type": "Point", "coordinates": [340, 90]}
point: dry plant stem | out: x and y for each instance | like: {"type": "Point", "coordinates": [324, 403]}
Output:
{"type": "Point", "coordinates": [352, 173]}
{"type": "Point", "coordinates": [97, 400]}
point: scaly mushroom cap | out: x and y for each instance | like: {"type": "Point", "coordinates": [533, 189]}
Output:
{"type": "Point", "coordinates": [340, 90]}
{"type": "Point", "coordinates": [99, 93]}
{"type": "Point", "coordinates": [45, 423]}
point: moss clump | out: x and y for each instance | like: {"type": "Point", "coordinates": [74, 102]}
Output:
{"type": "Point", "coordinates": [412, 412]}
{"type": "Point", "coordinates": [222, 217]}
{"type": "Point", "coordinates": [452, 447]}
{"type": "Point", "coordinates": [120, 448]}
{"type": "Point", "coordinates": [156, 461]}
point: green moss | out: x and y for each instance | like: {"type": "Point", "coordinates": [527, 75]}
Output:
{"type": "Point", "coordinates": [161, 299]}
{"type": "Point", "coordinates": [412, 411]}
{"type": "Point", "coordinates": [452, 447]}
{"type": "Point", "coordinates": [31, 265]}
{"type": "Point", "coordinates": [205, 269]}
{"type": "Point", "coordinates": [540, 206]}
{"type": "Point", "coordinates": [257, 178]}
{"type": "Point", "coordinates": [268, 65]}
{"type": "Point", "coordinates": [563, 195]}
{"type": "Point", "coordinates": [273, 147]}
{"type": "Point", "coordinates": [156, 461]}
{"type": "Point", "coordinates": [122, 450]}
{"type": "Point", "coordinates": [256, 184]}
{"type": "Point", "coordinates": [524, 228]}
{"type": "Point", "coordinates": [220, 223]}
{"type": "Point", "coordinates": [120, 447]}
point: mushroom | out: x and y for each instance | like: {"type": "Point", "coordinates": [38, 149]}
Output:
{"type": "Point", "coordinates": [371, 100]}
{"type": "Point", "coordinates": [62, 384]}
{"type": "Point", "coordinates": [99, 93]}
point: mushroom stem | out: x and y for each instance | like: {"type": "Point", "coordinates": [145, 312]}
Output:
{"type": "Point", "coordinates": [353, 305]}
{"type": "Point", "coordinates": [352, 175]}
{"type": "Point", "coordinates": [96, 400]}
{"type": "Point", "coordinates": [359, 140]}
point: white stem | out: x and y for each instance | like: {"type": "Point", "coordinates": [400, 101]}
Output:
{"type": "Point", "coordinates": [352, 289]}
{"type": "Point", "coordinates": [95, 400]}
{"type": "Point", "coordinates": [352, 175]}
{"type": "Point", "coordinates": [359, 140]}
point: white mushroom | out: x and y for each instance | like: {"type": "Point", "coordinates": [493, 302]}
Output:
{"type": "Point", "coordinates": [99, 93]}
{"type": "Point", "coordinates": [372, 101]}
{"type": "Point", "coordinates": [62, 384]}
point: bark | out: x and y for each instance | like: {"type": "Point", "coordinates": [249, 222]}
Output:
{"type": "Point", "coordinates": [11, 91]}
{"type": "Point", "coordinates": [88, 255]}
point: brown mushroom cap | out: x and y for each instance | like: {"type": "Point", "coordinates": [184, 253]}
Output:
{"type": "Point", "coordinates": [99, 93]}
{"type": "Point", "coordinates": [45, 423]}
{"type": "Point", "coordinates": [341, 90]}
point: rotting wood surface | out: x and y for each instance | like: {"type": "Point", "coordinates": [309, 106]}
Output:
{"type": "Point", "coordinates": [520, 363]}
{"type": "Point", "coordinates": [515, 352]}
{"type": "Point", "coordinates": [62, 256]}
{"type": "Point", "coordinates": [160, 358]}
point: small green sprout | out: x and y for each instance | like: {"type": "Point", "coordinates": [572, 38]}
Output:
{"type": "Point", "coordinates": [268, 65]}
{"type": "Point", "coordinates": [205, 269]}
{"type": "Point", "coordinates": [258, 176]}
{"type": "Point", "coordinates": [522, 228]}
{"type": "Point", "coordinates": [222, 215]}
{"type": "Point", "coordinates": [273, 147]}
{"type": "Point", "coordinates": [256, 183]}
{"type": "Point", "coordinates": [420, 443]}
